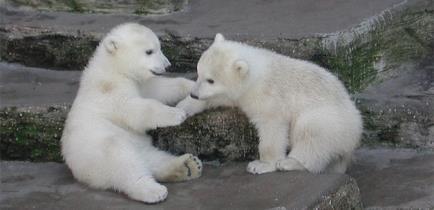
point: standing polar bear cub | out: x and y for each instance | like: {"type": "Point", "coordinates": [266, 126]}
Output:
{"type": "Point", "coordinates": [292, 103]}
{"type": "Point", "coordinates": [121, 96]}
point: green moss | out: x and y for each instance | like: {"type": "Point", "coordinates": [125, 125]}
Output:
{"type": "Point", "coordinates": [377, 134]}
{"type": "Point", "coordinates": [183, 53]}
{"type": "Point", "coordinates": [352, 63]}
{"type": "Point", "coordinates": [410, 37]}
{"type": "Point", "coordinates": [31, 135]}
{"type": "Point", "coordinates": [407, 38]}
{"type": "Point", "coordinates": [145, 6]}
{"type": "Point", "coordinates": [75, 6]}
{"type": "Point", "coordinates": [219, 134]}
{"type": "Point", "coordinates": [54, 50]}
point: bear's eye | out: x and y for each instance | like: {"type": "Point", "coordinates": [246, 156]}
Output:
{"type": "Point", "coordinates": [210, 81]}
{"type": "Point", "coordinates": [149, 52]}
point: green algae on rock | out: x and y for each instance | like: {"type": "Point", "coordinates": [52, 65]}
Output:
{"type": "Point", "coordinates": [56, 50]}
{"type": "Point", "coordinates": [374, 50]}
{"type": "Point", "coordinates": [222, 134]}
{"type": "Point", "coordinates": [31, 133]}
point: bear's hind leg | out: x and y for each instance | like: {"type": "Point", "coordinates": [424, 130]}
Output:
{"type": "Point", "coordinates": [317, 139]}
{"type": "Point", "coordinates": [307, 156]}
{"type": "Point", "coordinates": [340, 165]}
{"type": "Point", "coordinates": [144, 189]}
{"type": "Point", "coordinates": [128, 173]}
{"type": "Point", "coordinates": [289, 164]}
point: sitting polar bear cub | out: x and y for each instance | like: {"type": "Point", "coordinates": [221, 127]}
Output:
{"type": "Point", "coordinates": [292, 103]}
{"type": "Point", "coordinates": [120, 97]}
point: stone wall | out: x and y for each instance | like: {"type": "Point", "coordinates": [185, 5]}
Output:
{"type": "Point", "coordinates": [140, 7]}
{"type": "Point", "coordinates": [387, 63]}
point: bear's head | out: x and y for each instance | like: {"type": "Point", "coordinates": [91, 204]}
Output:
{"type": "Point", "coordinates": [221, 71]}
{"type": "Point", "coordinates": [134, 50]}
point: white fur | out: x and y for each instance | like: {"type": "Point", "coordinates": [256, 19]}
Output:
{"type": "Point", "coordinates": [292, 103]}
{"type": "Point", "coordinates": [104, 141]}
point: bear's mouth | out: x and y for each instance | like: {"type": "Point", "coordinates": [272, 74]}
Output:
{"type": "Point", "coordinates": [156, 73]}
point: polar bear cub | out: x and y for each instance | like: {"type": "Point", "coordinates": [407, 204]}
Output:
{"type": "Point", "coordinates": [292, 103]}
{"type": "Point", "coordinates": [120, 97]}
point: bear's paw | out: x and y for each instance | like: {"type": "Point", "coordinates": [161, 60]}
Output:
{"type": "Point", "coordinates": [260, 167]}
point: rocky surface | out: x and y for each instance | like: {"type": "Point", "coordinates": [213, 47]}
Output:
{"type": "Point", "coordinates": [382, 50]}
{"type": "Point", "coordinates": [390, 48]}
{"type": "Point", "coordinates": [139, 7]}
{"type": "Point", "coordinates": [24, 86]}
{"type": "Point", "coordinates": [51, 186]}
{"type": "Point", "coordinates": [395, 178]}
{"type": "Point", "coordinates": [387, 178]}
{"type": "Point", "coordinates": [376, 36]}
{"type": "Point", "coordinates": [203, 18]}
{"type": "Point", "coordinates": [400, 110]}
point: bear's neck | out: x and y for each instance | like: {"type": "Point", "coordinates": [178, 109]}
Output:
{"type": "Point", "coordinates": [254, 82]}
{"type": "Point", "coordinates": [101, 67]}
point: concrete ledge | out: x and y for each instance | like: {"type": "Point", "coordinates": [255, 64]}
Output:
{"type": "Point", "coordinates": [51, 186]}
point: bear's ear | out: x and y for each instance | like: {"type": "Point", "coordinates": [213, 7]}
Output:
{"type": "Point", "coordinates": [111, 44]}
{"type": "Point", "coordinates": [241, 67]}
{"type": "Point", "coordinates": [219, 37]}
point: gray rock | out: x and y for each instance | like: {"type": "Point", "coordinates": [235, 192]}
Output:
{"type": "Point", "coordinates": [400, 109]}
{"type": "Point", "coordinates": [51, 186]}
{"type": "Point", "coordinates": [386, 61]}
{"type": "Point", "coordinates": [242, 18]}
{"type": "Point", "coordinates": [32, 131]}
{"type": "Point", "coordinates": [395, 178]}
{"type": "Point", "coordinates": [153, 7]}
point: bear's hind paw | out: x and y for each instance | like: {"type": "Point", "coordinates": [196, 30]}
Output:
{"type": "Point", "coordinates": [184, 167]}
{"type": "Point", "coordinates": [260, 167]}
{"type": "Point", "coordinates": [194, 166]}
{"type": "Point", "coordinates": [148, 192]}
{"type": "Point", "coordinates": [289, 164]}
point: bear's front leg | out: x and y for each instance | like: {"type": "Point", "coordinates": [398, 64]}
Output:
{"type": "Point", "coordinates": [192, 106]}
{"type": "Point", "coordinates": [144, 114]}
{"type": "Point", "coordinates": [273, 142]}
{"type": "Point", "coordinates": [167, 90]}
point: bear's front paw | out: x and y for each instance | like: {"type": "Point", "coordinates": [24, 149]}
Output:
{"type": "Point", "coordinates": [172, 117]}
{"type": "Point", "coordinates": [289, 164]}
{"type": "Point", "coordinates": [191, 106]}
{"type": "Point", "coordinates": [260, 167]}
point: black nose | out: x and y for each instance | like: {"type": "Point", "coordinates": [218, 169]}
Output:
{"type": "Point", "coordinates": [194, 96]}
